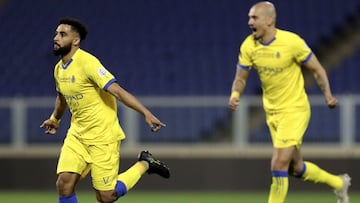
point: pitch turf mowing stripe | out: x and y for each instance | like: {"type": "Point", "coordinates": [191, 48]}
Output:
{"type": "Point", "coordinates": [175, 197]}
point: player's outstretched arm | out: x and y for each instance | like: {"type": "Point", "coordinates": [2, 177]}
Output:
{"type": "Point", "coordinates": [131, 101]}
{"type": "Point", "coordinates": [52, 124]}
{"type": "Point", "coordinates": [322, 80]}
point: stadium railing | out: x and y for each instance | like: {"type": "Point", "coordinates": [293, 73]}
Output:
{"type": "Point", "coordinates": [330, 132]}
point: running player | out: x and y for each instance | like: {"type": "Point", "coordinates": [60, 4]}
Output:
{"type": "Point", "coordinates": [93, 140]}
{"type": "Point", "coordinates": [278, 56]}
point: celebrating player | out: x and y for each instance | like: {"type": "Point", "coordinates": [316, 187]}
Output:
{"type": "Point", "coordinates": [93, 140]}
{"type": "Point", "coordinates": [277, 56]}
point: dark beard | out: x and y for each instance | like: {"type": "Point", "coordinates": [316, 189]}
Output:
{"type": "Point", "coordinates": [62, 51]}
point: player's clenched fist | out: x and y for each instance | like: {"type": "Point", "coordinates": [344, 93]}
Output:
{"type": "Point", "coordinates": [234, 103]}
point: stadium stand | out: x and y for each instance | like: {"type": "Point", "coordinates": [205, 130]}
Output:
{"type": "Point", "coordinates": [159, 47]}
{"type": "Point", "coordinates": [345, 75]}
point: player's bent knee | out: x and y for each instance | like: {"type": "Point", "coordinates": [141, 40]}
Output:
{"type": "Point", "coordinates": [64, 189]}
{"type": "Point", "coordinates": [65, 184]}
{"type": "Point", "coordinates": [298, 170]}
{"type": "Point", "coordinates": [106, 196]}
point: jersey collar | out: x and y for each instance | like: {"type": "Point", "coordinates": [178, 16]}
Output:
{"type": "Point", "coordinates": [67, 64]}
{"type": "Point", "coordinates": [267, 43]}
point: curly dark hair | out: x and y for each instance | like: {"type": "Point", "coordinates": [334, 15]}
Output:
{"type": "Point", "coordinates": [76, 25]}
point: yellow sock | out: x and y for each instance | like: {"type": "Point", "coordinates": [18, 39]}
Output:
{"type": "Point", "coordinates": [315, 174]}
{"type": "Point", "coordinates": [131, 176]}
{"type": "Point", "coordinates": [279, 187]}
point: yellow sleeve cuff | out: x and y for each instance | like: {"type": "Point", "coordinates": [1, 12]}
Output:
{"type": "Point", "coordinates": [235, 95]}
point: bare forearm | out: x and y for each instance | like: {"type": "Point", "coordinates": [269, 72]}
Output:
{"type": "Point", "coordinates": [60, 107]}
{"type": "Point", "coordinates": [320, 75]}
{"type": "Point", "coordinates": [322, 81]}
{"type": "Point", "coordinates": [239, 82]}
{"type": "Point", "coordinates": [126, 98]}
{"type": "Point", "coordinates": [238, 86]}
{"type": "Point", "coordinates": [131, 101]}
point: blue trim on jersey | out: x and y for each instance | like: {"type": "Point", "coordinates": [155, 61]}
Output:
{"type": "Point", "coordinates": [300, 175]}
{"type": "Point", "coordinates": [267, 43]}
{"type": "Point", "coordinates": [67, 64]}
{"type": "Point", "coordinates": [307, 58]}
{"type": "Point", "coordinates": [243, 67]}
{"type": "Point", "coordinates": [109, 83]}
{"type": "Point", "coordinates": [280, 174]}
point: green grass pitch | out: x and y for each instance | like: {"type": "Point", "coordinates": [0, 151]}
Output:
{"type": "Point", "coordinates": [175, 197]}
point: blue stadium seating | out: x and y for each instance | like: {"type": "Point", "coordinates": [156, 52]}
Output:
{"type": "Point", "coordinates": [5, 126]}
{"type": "Point", "coordinates": [345, 77]}
{"type": "Point", "coordinates": [158, 47]}
{"type": "Point", "coordinates": [184, 44]}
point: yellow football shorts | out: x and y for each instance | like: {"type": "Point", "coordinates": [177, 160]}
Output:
{"type": "Point", "coordinates": [102, 160]}
{"type": "Point", "coordinates": [287, 128]}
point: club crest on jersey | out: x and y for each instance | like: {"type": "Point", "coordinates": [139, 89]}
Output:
{"type": "Point", "coordinates": [277, 54]}
{"type": "Point", "coordinates": [102, 72]}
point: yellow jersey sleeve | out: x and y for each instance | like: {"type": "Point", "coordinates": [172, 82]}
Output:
{"type": "Point", "coordinates": [244, 58]}
{"type": "Point", "coordinates": [302, 53]}
{"type": "Point", "coordinates": [99, 75]}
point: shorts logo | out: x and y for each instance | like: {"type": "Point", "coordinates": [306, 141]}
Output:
{"type": "Point", "coordinates": [106, 180]}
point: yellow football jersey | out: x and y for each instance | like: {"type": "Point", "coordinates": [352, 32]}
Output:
{"type": "Point", "coordinates": [83, 82]}
{"type": "Point", "coordinates": [278, 64]}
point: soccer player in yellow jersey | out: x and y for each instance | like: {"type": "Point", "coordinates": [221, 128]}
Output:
{"type": "Point", "coordinates": [278, 56]}
{"type": "Point", "coordinates": [93, 140]}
